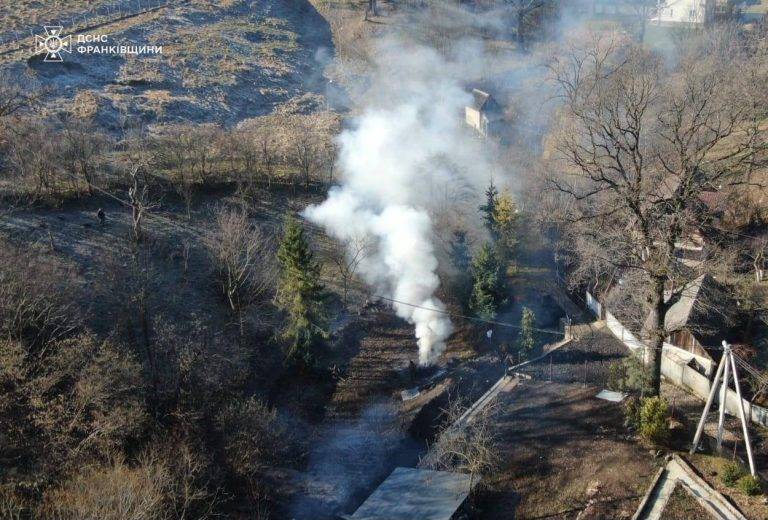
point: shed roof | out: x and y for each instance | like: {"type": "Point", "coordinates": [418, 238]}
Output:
{"type": "Point", "coordinates": [410, 493]}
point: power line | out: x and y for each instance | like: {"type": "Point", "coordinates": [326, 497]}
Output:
{"type": "Point", "coordinates": [754, 372]}
{"type": "Point", "coordinates": [392, 300]}
{"type": "Point", "coordinates": [471, 318]}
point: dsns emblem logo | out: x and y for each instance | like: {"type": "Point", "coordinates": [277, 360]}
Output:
{"type": "Point", "coordinates": [53, 43]}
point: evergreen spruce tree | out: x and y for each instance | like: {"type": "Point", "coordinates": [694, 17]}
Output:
{"type": "Point", "coordinates": [300, 295]}
{"type": "Point", "coordinates": [459, 251]}
{"type": "Point", "coordinates": [526, 340]}
{"type": "Point", "coordinates": [461, 258]}
{"type": "Point", "coordinates": [488, 283]}
{"type": "Point", "coordinates": [489, 210]}
{"type": "Point", "coordinates": [505, 219]}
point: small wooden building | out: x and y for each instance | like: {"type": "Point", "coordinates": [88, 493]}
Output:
{"type": "Point", "coordinates": [485, 115]}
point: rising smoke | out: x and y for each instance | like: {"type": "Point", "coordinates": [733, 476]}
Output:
{"type": "Point", "coordinates": [408, 143]}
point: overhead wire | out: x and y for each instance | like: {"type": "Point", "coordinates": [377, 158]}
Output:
{"type": "Point", "coordinates": [471, 318]}
{"type": "Point", "coordinates": [391, 300]}
{"type": "Point", "coordinates": [148, 213]}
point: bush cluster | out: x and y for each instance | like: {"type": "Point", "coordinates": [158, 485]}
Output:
{"type": "Point", "coordinates": [650, 416]}
{"type": "Point", "coordinates": [731, 474]}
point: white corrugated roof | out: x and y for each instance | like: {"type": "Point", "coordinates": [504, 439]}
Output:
{"type": "Point", "coordinates": [411, 494]}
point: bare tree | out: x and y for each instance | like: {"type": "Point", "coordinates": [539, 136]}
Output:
{"type": "Point", "coordinates": [172, 153]}
{"type": "Point", "coordinates": [88, 396]}
{"type": "Point", "coordinates": [138, 198]}
{"type": "Point", "coordinates": [15, 99]}
{"type": "Point", "coordinates": [267, 154]}
{"type": "Point", "coordinates": [372, 9]}
{"type": "Point", "coordinates": [470, 447]}
{"type": "Point", "coordinates": [348, 257]}
{"type": "Point", "coordinates": [306, 150]}
{"type": "Point", "coordinates": [31, 157]}
{"type": "Point", "coordinates": [32, 306]}
{"type": "Point", "coordinates": [254, 436]}
{"type": "Point", "coordinates": [202, 151]}
{"type": "Point", "coordinates": [81, 149]}
{"type": "Point", "coordinates": [756, 252]}
{"type": "Point", "coordinates": [245, 156]}
{"type": "Point", "coordinates": [640, 144]}
{"type": "Point", "coordinates": [753, 78]}
{"type": "Point", "coordinates": [138, 151]}
{"type": "Point", "coordinates": [523, 12]}
{"type": "Point", "coordinates": [116, 491]}
{"type": "Point", "coordinates": [243, 257]}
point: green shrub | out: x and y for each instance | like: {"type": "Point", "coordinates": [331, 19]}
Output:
{"type": "Point", "coordinates": [732, 472]}
{"type": "Point", "coordinates": [632, 412]}
{"type": "Point", "coordinates": [653, 419]}
{"type": "Point", "coordinates": [638, 378]}
{"type": "Point", "coordinates": [750, 485]}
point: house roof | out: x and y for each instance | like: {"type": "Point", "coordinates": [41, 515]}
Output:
{"type": "Point", "coordinates": [410, 493]}
{"type": "Point", "coordinates": [715, 201]}
{"type": "Point", "coordinates": [703, 307]}
{"type": "Point", "coordinates": [482, 101]}
{"type": "Point", "coordinates": [713, 197]}
{"type": "Point", "coordinates": [681, 312]}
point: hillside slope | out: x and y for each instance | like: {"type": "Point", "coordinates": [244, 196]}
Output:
{"type": "Point", "coordinates": [222, 61]}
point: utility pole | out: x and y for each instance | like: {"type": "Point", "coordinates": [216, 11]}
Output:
{"type": "Point", "coordinates": [725, 368]}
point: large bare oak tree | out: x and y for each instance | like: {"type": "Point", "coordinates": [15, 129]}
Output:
{"type": "Point", "coordinates": [640, 140]}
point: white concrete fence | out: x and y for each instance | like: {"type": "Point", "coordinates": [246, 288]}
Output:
{"type": "Point", "coordinates": [594, 305]}
{"type": "Point", "coordinates": [675, 366]}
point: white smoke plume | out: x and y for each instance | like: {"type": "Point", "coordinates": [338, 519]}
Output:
{"type": "Point", "coordinates": [408, 144]}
